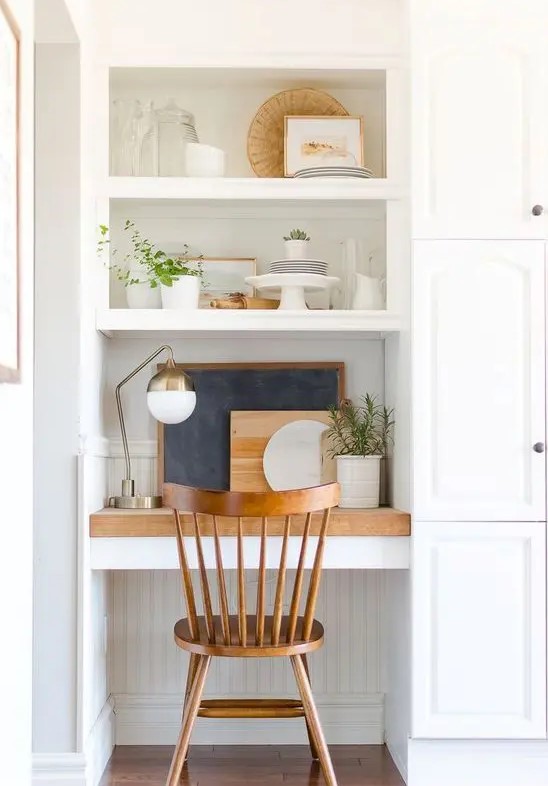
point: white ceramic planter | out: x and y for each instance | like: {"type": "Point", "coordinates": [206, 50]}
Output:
{"type": "Point", "coordinates": [359, 479]}
{"type": "Point", "coordinates": [143, 296]}
{"type": "Point", "coordinates": [296, 249]}
{"type": "Point", "coordinates": [183, 295]}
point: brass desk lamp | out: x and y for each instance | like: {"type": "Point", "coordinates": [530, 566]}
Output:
{"type": "Point", "coordinates": [170, 399]}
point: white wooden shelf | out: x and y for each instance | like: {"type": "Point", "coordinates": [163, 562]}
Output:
{"type": "Point", "coordinates": [250, 189]}
{"type": "Point", "coordinates": [151, 322]}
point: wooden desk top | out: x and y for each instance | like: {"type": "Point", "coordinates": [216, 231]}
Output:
{"type": "Point", "coordinates": [118, 523]}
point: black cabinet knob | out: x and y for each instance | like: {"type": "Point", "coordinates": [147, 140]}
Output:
{"type": "Point", "coordinates": [538, 447]}
{"type": "Point", "coordinates": [537, 210]}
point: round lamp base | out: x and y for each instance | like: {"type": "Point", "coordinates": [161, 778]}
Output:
{"type": "Point", "coordinates": [138, 502]}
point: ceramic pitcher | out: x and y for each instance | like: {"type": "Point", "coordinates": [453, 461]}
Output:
{"type": "Point", "coordinates": [369, 293]}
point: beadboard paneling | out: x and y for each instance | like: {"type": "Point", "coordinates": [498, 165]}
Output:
{"type": "Point", "coordinates": [144, 661]}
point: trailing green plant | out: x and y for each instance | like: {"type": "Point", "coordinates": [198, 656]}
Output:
{"type": "Point", "coordinates": [158, 267]}
{"type": "Point", "coordinates": [365, 430]}
{"type": "Point", "coordinates": [297, 234]}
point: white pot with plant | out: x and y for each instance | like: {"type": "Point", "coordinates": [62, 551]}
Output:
{"type": "Point", "coordinates": [152, 278]}
{"type": "Point", "coordinates": [359, 438]}
{"type": "Point", "coordinates": [296, 244]}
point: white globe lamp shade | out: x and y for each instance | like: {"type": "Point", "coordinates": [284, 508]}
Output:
{"type": "Point", "coordinates": [171, 406]}
{"type": "Point", "coordinates": [170, 395]}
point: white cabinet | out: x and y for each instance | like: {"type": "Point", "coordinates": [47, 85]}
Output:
{"type": "Point", "coordinates": [479, 125]}
{"type": "Point", "coordinates": [479, 386]}
{"type": "Point", "coordinates": [479, 630]}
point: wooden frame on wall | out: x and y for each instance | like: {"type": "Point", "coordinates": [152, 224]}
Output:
{"type": "Point", "coordinates": [330, 366]}
{"type": "Point", "coordinates": [9, 197]}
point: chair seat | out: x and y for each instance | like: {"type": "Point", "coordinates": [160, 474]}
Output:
{"type": "Point", "coordinates": [202, 646]}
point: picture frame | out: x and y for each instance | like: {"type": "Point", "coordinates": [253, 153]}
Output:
{"type": "Point", "coordinates": [196, 452]}
{"type": "Point", "coordinates": [225, 275]}
{"type": "Point", "coordinates": [312, 141]}
{"type": "Point", "coordinates": [9, 197]}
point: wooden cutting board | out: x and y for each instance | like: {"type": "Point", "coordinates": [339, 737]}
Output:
{"type": "Point", "coordinates": [249, 435]}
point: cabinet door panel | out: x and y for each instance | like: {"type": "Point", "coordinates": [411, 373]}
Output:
{"type": "Point", "coordinates": [479, 387]}
{"type": "Point", "coordinates": [479, 653]}
{"type": "Point", "coordinates": [479, 130]}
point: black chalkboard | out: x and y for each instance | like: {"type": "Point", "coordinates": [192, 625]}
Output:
{"type": "Point", "coordinates": [196, 452]}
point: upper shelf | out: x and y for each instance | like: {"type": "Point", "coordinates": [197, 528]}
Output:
{"type": "Point", "coordinates": [151, 322]}
{"type": "Point", "coordinates": [169, 189]}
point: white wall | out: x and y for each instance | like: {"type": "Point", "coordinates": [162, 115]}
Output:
{"type": "Point", "coordinates": [364, 360]}
{"type": "Point", "coordinates": [56, 395]}
{"type": "Point", "coordinates": [16, 422]}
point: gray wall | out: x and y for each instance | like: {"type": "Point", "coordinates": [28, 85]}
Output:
{"type": "Point", "coordinates": [57, 217]}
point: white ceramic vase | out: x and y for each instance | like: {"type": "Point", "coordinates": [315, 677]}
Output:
{"type": "Point", "coordinates": [359, 480]}
{"type": "Point", "coordinates": [296, 249]}
{"type": "Point", "coordinates": [141, 295]}
{"type": "Point", "coordinates": [368, 293]}
{"type": "Point", "coordinates": [184, 294]}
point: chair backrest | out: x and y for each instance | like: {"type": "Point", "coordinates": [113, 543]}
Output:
{"type": "Point", "coordinates": [205, 506]}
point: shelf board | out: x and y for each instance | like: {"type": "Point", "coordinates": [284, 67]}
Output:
{"type": "Point", "coordinates": [251, 189]}
{"type": "Point", "coordinates": [345, 522]}
{"type": "Point", "coordinates": [125, 322]}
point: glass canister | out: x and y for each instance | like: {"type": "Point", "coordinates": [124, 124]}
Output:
{"type": "Point", "coordinates": [124, 146]}
{"type": "Point", "coordinates": [175, 127]}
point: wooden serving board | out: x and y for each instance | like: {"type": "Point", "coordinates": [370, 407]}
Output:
{"type": "Point", "coordinates": [249, 435]}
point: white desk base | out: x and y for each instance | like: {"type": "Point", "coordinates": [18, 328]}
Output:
{"type": "Point", "coordinates": [351, 552]}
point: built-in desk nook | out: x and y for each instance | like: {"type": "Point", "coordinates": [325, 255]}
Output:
{"type": "Point", "coordinates": [132, 539]}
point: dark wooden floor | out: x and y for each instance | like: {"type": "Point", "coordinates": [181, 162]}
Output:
{"type": "Point", "coordinates": [251, 765]}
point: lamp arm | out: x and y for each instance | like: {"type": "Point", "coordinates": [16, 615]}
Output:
{"type": "Point", "coordinates": [119, 401]}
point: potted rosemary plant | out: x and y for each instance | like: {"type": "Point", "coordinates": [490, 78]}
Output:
{"type": "Point", "coordinates": [359, 438]}
{"type": "Point", "coordinates": [296, 244]}
{"type": "Point", "coordinates": [152, 277]}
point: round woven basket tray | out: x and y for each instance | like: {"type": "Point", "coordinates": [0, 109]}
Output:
{"type": "Point", "coordinates": [265, 139]}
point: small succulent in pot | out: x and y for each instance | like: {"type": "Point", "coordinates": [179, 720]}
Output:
{"type": "Point", "coordinates": [296, 244]}
{"type": "Point", "coordinates": [360, 436]}
{"type": "Point", "coordinates": [297, 234]}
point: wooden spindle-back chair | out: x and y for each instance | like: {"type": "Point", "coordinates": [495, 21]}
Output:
{"type": "Point", "coordinates": [243, 635]}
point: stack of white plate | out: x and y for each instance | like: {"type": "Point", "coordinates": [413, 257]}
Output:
{"type": "Point", "coordinates": [335, 171]}
{"type": "Point", "coordinates": [316, 266]}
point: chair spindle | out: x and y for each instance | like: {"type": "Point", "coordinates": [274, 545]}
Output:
{"type": "Point", "coordinates": [221, 584]}
{"type": "Point", "coordinates": [242, 617]}
{"type": "Point", "coordinates": [280, 586]}
{"type": "Point", "coordinates": [208, 610]}
{"type": "Point", "coordinates": [298, 584]}
{"type": "Point", "coordinates": [188, 590]}
{"type": "Point", "coordinates": [261, 586]}
{"type": "Point", "coordinates": [315, 577]}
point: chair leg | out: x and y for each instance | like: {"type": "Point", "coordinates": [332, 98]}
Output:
{"type": "Point", "coordinates": [313, 749]}
{"type": "Point", "coordinates": [191, 711]}
{"type": "Point", "coordinates": [312, 717]}
{"type": "Point", "coordinates": [191, 674]}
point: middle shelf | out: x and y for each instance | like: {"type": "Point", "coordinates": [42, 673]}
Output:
{"type": "Point", "coordinates": [151, 322]}
{"type": "Point", "coordinates": [213, 189]}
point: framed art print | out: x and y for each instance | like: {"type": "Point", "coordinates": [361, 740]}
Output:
{"type": "Point", "coordinates": [9, 241]}
{"type": "Point", "coordinates": [312, 141]}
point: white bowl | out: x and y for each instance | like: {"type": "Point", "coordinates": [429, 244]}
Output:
{"type": "Point", "coordinates": [204, 160]}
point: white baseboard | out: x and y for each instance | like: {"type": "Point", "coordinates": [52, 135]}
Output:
{"type": "Point", "coordinates": [155, 720]}
{"type": "Point", "coordinates": [478, 763]}
{"type": "Point", "coordinates": [100, 744]}
{"type": "Point", "coordinates": [58, 769]}
{"type": "Point", "coordinates": [398, 761]}
{"type": "Point", "coordinates": [78, 769]}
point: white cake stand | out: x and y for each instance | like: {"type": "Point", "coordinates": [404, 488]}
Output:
{"type": "Point", "coordinates": [292, 286]}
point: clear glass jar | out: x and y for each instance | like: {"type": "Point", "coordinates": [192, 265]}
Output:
{"type": "Point", "coordinates": [175, 127]}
